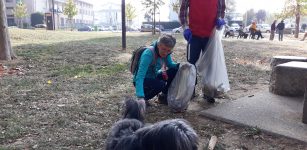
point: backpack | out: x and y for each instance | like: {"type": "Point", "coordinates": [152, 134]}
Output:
{"type": "Point", "coordinates": [136, 56]}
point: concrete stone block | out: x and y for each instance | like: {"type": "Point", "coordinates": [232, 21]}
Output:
{"type": "Point", "coordinates": [305, 104]}
{"type": "Point", "coordinates": [288, 79]}
{"type": "Point", "coordinates": [276, 60]}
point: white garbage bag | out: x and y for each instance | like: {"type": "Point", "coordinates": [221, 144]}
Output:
{"type": "Point", "coordinates": [212, 68]}
{"type": "Point", "coordinates": [182, 87]}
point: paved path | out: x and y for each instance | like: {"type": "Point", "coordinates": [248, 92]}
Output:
{"type": "Point", "coordinates": [269, 112]}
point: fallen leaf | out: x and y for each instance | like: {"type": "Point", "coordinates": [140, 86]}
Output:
{"type": "Point", "coordinates": [49, 81]}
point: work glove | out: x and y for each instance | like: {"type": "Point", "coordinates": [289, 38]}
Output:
{"type": "Point", "coordinates": [187, 34]}
{"type": "Point", "coordinates": [219, 23]}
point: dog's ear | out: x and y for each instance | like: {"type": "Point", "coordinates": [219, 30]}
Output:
{"type": "Point", "coordinates": [121, 133]}
{"type": "Point", "coordinates": [166, 135]}
{"type": "Point", "coordinates": [134, 109]}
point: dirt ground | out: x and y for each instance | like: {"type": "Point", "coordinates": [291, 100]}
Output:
{"type": "Point", "coordinates": [72, 85]}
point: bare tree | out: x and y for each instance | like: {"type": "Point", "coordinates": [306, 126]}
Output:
{"type": "Point", "coordinates": [176, 6]}
{"type": "Point", "coordinates": [152, 6]}
{"type": "Point", "coordinates": [261, 16]}
{"type": "Point", "coordinates": [6, 52]}
{"type": "Point", "coordinates": [294, 8]}
{"type": "Point", "coordinates": [249, 16]}
{"type": "Point", "coordinates": [130, 13]}
{"type": "Point", "coordinates": [20, 13]}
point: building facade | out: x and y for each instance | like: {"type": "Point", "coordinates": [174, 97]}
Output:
{"type": "Point", "coordinates": [110, 15]}
{"type": "Point", "coordinates": [85, 15]}
{"type": "Point", "coordinates": [10, 6]}
{"type": "Point", "coordinates": [85, 9]}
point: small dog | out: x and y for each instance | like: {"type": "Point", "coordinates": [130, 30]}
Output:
{"type": "Point", "coordinates": [242, 34]}
{"type": "Point", "coordinates": [130, 133]}
{"type": "Point", "coordinates": [229, 34]}
{"type": "Point", "coordinates": [134, 109]}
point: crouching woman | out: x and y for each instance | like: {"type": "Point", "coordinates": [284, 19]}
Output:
{"type": "Point", "coordinates": [156, 70]}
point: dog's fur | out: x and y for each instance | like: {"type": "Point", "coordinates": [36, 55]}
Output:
{"type": "Point", "coordinates": [242, 35]}
{"type": "Point", "coordinates": [130, 134]}
{"type": "Point", "coordinates": [229, 34]}
{"type": "Point", "coordinates": [134, 109]}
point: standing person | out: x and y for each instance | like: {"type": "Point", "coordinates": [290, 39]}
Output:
{"type": "Point", "coordinates": [199, 18]}
{"type": "Point", "coordinates": [152, 75]}
{"type": "Point", "coordinates": [273, 28]}
{"type": "Point", "coordinates": [281, 27]}
{"type": "Point", "coordinates": [305, 35]}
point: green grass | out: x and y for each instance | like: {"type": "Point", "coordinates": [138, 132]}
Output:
{"type": "Point", "coordinates": [89, 70]}
{"type": "Point", "coordinates": [251, 131]}
{"type": "Point", "coordinates": [13, 129]}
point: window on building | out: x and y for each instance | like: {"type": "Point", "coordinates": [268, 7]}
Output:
{"type": "Point", "coordinates": [11, 22]}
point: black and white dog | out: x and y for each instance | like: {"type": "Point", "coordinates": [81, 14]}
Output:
{"type": "Point", "coordinates": [131, 134]}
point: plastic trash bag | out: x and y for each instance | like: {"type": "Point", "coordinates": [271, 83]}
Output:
{"type": "Point", "coordinates": [212, 68]}
{"type": "Point", "coordinates": [182, 87]}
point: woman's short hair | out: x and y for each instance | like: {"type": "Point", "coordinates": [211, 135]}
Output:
{"type": "Point", "coordinates": [168, 40]}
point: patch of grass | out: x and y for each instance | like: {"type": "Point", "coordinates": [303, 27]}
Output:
{"type": "Point", "coordinates": [251, 131]}
{"type": "Point", "coordinates": [4, 148]}
{"type": "Point", "coordinates": [34, 52]}
{"type": "Point", "coordinates": [89, 70]}
{"type": "Point", "coordinates": [16, 85]}
{"type": "Point", "coordinates": [13, 130]}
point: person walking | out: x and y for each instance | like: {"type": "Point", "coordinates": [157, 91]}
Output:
{"type": "Point", "coordinates": [273, 28]}
{"type": "Point", "coordinates": [281, 27]}
{"type": "Point", "coordinates": [199, 18]}
{"type": "Point", "coordinates": [305, 35]}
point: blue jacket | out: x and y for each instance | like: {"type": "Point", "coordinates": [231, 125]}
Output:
{"type": "Point", "coordinates": [148, 70]}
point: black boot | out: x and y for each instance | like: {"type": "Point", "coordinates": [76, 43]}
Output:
{"type": "Point", "coordinates": [209, 99]}
{"type": "Point", "coordinates": [162, 99]}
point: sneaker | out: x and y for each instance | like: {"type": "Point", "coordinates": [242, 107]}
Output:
{"type": "Point", "coordinates": [209, 99]}
{"type": "Point", "coordinates": [162, 99]}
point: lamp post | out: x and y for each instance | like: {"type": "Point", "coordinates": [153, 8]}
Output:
{"type": "Point", "coordinates": [123, 25]}
{"type": "Point", "coordinates": [154, 22]}
{"type": "Point", "coordinates": [53, 18]}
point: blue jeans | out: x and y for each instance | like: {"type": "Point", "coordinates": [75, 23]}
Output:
{"type": "Point", "coordinates": [153, 86]}
{"type": "Point", "coordinates": [196, 46]}
{"type": "Point", "coordinates": [280, 35]}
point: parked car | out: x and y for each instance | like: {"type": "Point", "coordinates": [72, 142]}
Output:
{"type": "Point", "coordinates": [264, 28]}
{"type": "Point", "coordinates": [40, 26]}
{"type": "Point", "coordinates": [177, 30]}
{"type": "Point", "coordinates": [160, 27]}
{"type": "Point", "coordinates": [86, 28]}
{"type": "Point", "coordinates": [234, 27]}
{"type": "Point", "coordinates": [148, 28]}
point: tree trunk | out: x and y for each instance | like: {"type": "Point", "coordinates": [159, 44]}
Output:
{"type": "Point", "coordinates": [154, 22]}
{"type": "Point", "coordinates": [297, 20]}
{"type": "Point", "coordinates": [71, 25]}
{"type": "Point", "coordinates": [5, 44]}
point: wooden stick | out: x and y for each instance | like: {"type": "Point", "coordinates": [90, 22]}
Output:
{"type": "Point", "coordinates": [212, 142]}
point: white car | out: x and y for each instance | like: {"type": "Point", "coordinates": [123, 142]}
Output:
{"type": "Point", "coordinates": [177, 30]}
{"type": "Point", "coordinates": [234, 27]}
{"type": "Point", "coordinates": [264, 28]}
